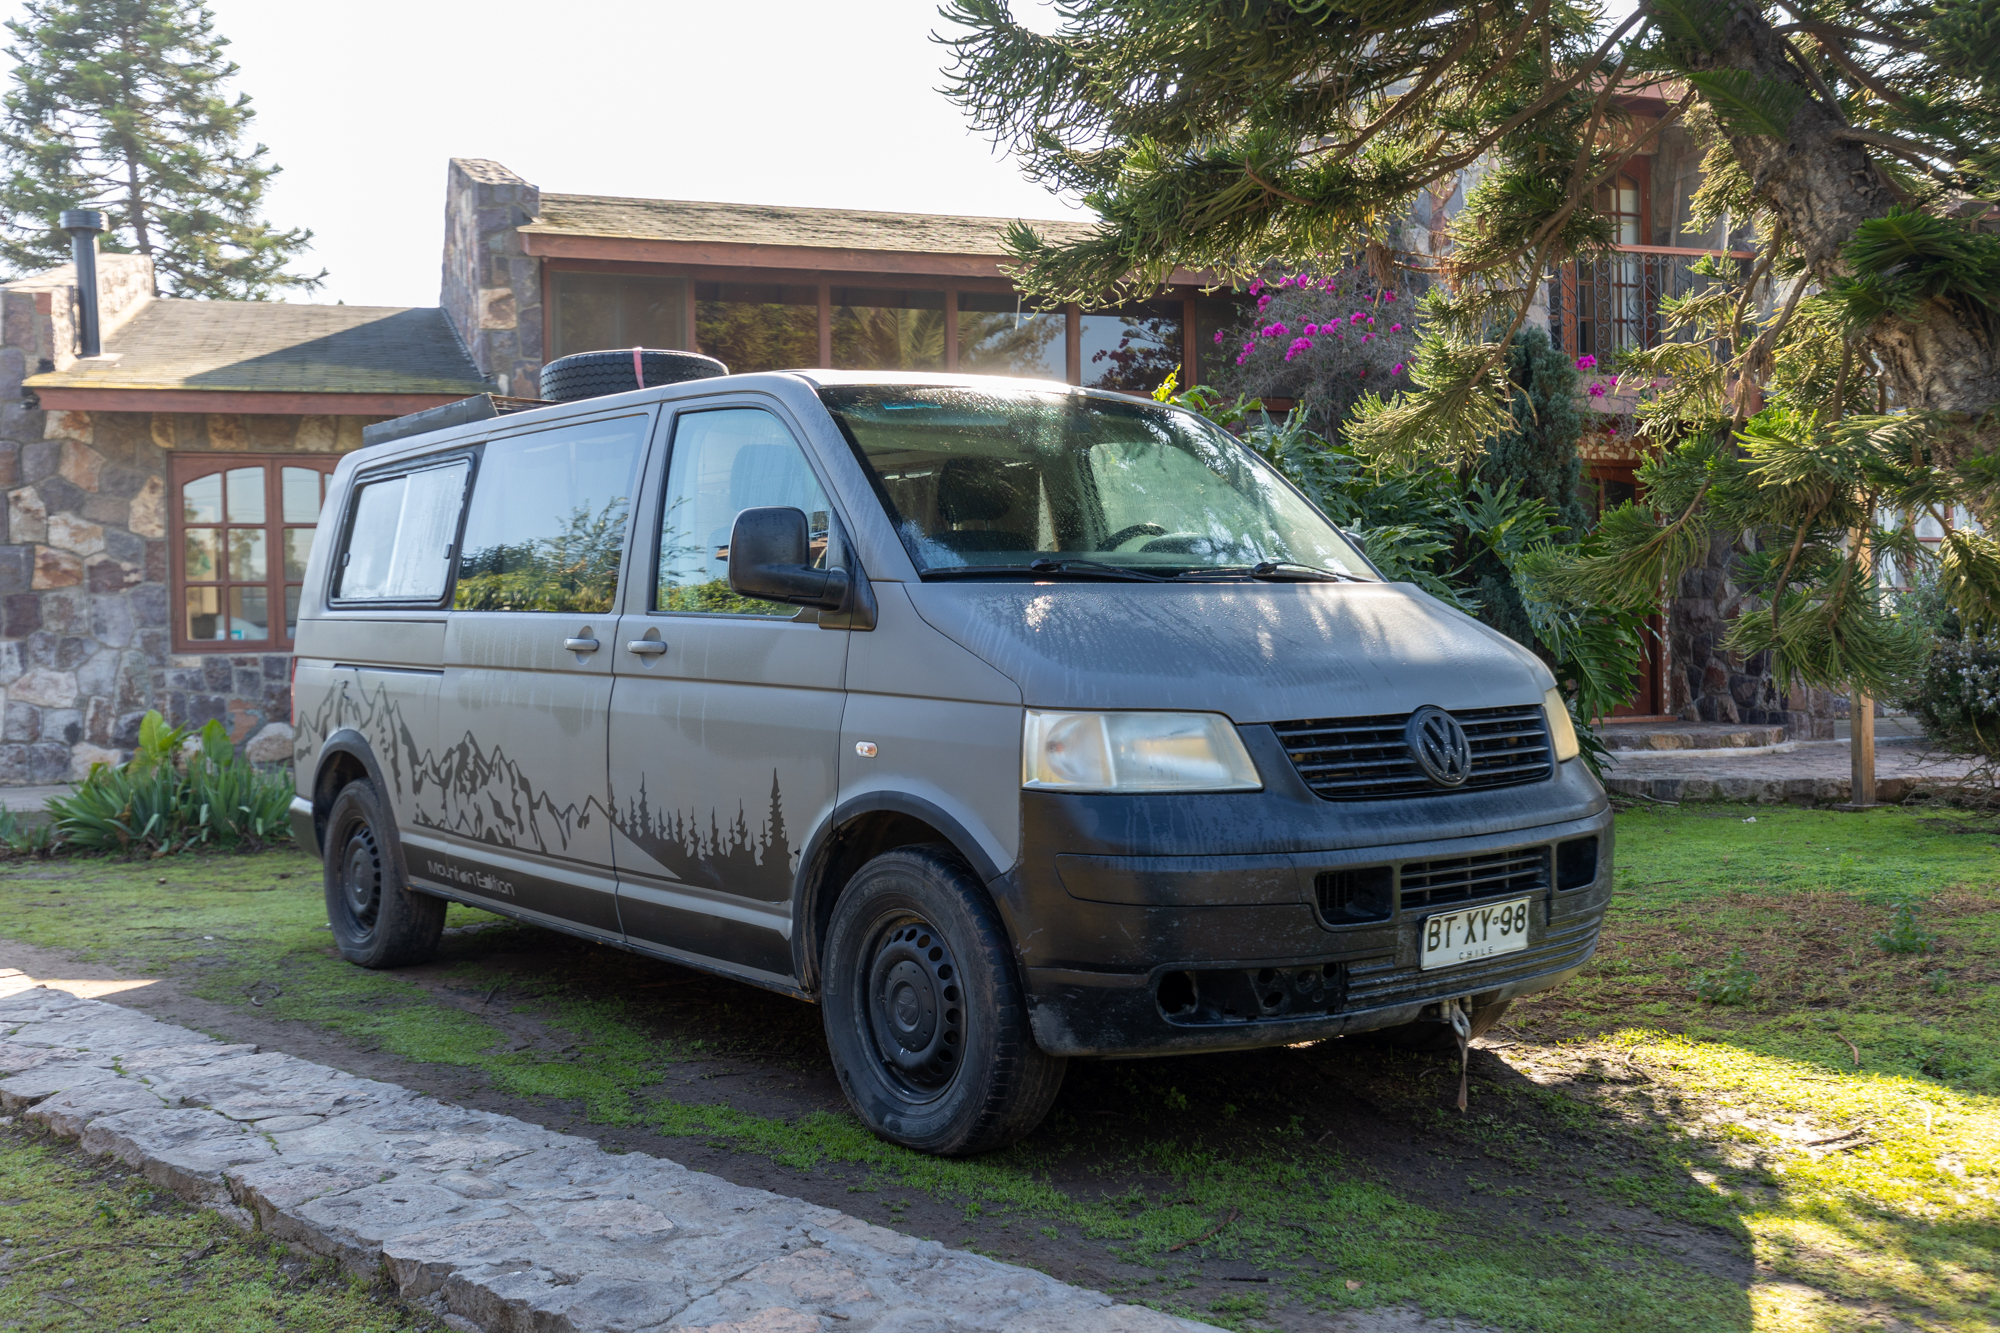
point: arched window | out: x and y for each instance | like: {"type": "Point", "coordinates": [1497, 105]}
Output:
{"type": "Point", "coordinates": [242, 529]}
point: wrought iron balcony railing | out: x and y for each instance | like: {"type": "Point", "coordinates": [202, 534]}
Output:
{"type": "Point", "coordinates": [1600, 308]}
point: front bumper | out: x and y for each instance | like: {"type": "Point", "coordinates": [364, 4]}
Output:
{"type": "Point", "coordinates": [1228, 945]}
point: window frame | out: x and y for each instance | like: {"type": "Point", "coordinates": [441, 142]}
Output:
{"type": "Point", "coordinates": [350, 509]}
{"type": "Point", "coordinates": [184, 467]}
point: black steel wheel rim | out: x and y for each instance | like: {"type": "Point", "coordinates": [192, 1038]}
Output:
{"type": "Point", "coordinates": [361, 877]}
{"type": "Point", "coordinates": [913, 1012]}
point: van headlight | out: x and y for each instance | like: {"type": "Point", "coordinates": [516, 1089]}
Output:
{"type": "Point", "coordinates": [1562, 731]}
{"type": "Point", "coordinates": [1134, 752]}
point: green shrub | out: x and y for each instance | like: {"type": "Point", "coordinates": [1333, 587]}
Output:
{"type": "Point", "coordinates": [1731, 984]}
{"type": "Point", "coordinates": [172, 797]}
{"type": "Point", "coordinates": [1905, 933]}
{"type": "Point", "coordinates": [38, 841]}
{"type": "Point", "coordinates": [1955, 696]}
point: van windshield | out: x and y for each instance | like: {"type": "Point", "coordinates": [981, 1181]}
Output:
{"type": "Point", "coordinates": [992, 481]}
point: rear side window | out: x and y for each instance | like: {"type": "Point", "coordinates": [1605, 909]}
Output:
{"type": "Point", "coordinates": [399, 545]}
{"type": "Point", "coordinates": [546, 527]}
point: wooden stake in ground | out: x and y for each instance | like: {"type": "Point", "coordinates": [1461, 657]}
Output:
{"type": "Point", "coordinates": [1860, 706]}
{"type": "Point", "coordinates": [1861, 751]}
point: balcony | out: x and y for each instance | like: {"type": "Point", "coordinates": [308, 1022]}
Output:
{"type": "Point", "coordinates": [1603, 307]}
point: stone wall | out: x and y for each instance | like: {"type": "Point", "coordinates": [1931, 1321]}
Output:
{"type": "Point", "coordinates": [492, 287]}
{"type": "Point", "coordinates": [85, 612]}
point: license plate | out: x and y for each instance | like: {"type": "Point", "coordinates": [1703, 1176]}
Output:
{"type": "Point", "coordinates": [1476, 932]}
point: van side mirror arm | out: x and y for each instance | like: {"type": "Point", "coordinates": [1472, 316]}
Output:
{"type": "Point", "coordinates": [770, 558]}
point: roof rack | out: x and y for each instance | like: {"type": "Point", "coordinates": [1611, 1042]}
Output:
{"type": "Point", "coordinates": [479, 407]}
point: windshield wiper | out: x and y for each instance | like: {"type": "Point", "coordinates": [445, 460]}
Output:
{"type": "Point", "coordinates": [1274, 571]}
{"type": "Point", "coordinates": [1082, 569]}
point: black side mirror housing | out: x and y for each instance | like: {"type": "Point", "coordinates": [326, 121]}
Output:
{"type": "Point", "coordinates": [770, 557]}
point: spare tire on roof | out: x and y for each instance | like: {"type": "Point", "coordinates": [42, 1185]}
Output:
{"type": "Point", "coordinates": [594, 374]}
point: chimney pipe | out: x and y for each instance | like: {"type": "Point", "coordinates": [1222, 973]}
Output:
{"type": "Point", "coordinates": [83, 224]}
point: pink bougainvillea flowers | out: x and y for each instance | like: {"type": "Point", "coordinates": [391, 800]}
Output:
{"type": "Point", "coordinates": [1393, 328]}
{"type": "Point", "coordinates": [1218, 337]}
{"type": "Point", "coordinates": [1310, 330]}
{"type": "Point", "coordinates": [1356, 317]}
{"type": "Point", "coordinates": [1396, 369]}
{"type": "Point", "coordinates": [1596, 389]}
{"type": "Point", "coordinates": [1586, 362]}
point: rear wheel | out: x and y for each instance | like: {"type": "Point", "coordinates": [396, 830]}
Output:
{"type": "Point", "coordinates": [377, 919]}
{"type": "Point", "coordinates": [924, 1010]}
{"type": "Point", "coordinates": [1438, 1036]}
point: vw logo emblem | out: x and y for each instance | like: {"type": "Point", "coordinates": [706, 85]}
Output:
{"type": "Point", "coordinates": [1439, 746]}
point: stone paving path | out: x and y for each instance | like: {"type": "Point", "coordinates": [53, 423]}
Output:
{"type": "Point", "coordinates": [1817, 771]}
{"type": "Point", "coordinates": [494, 1223]}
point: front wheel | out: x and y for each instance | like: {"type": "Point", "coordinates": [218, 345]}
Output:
{"type": "Point", "coordinates": [377, 919]}
{"type": "Point", "coordinates": [924, 1010]}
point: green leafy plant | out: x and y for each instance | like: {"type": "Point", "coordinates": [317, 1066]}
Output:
{"type": "Point", "coordinates": [1731, 984]}
{"type": "Point", "coordinates": [1906, 934]}
{"type": "Point", "coordinates": [38, 840]}
{"type": "Point", "coordinates": [172, 797]}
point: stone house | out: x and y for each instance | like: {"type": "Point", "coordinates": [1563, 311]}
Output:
{"type": "Point", "coordinates": [160, 498]}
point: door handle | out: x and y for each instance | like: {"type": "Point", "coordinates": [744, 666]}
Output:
{"type": "Point", "coordinates": [580, 645]}
{"type": "Point", "coordinates": [646, 647]}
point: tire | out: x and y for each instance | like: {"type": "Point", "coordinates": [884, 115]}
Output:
{"type": "Point", "coordinates": [377, 919]}
{"type": "Point", "coordinates": [953, 1068]}
{"type": "Point", "coordinates": [594, 374]}
{"type": "Point", "coordinates": [1437, 1037]}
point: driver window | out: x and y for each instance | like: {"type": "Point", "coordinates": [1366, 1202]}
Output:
{"type": "Point", "coordinates": [724, 462]}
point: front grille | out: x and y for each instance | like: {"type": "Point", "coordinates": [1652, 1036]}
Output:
{"type": "Point", "coordinates": [1365, 759]}
{"type": "Point", "coordinates": [1458, 879]}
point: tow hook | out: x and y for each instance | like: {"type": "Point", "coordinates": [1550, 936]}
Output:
{"type": "Point", "coordinates": [1461, 1027]}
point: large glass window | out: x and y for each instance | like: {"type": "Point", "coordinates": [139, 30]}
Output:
{"type": "Point", "coordinates": [725, 462]}
{"type": "Point", "coordinates": [546, 527]}
{"type": "Point", "coordinates": [752, 326]}
{"type": "Point", "coordinates": [1213, 314]}
{"type": "Point", "coordinates": [1131, 347]}
{"type": "Point", "coordinates": [979, 481]}
{"type": "Point", "coordinates": [999, 334]}
{"type": "Point", "coordinates": [593, 311]}
{"type": "Point", "coordinates": [399, 544]}
{"type": "Point", "coordinates": [243, 528]}
{"type": "Point", "coordinates": [883, 329]}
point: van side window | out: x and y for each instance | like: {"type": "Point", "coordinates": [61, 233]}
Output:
{"type": "Point", "coordinates": [399, 546]}
{"type": "Point", "coordinates": [546, 529]}
{"type": "Point", "coordinates": [724, 462]}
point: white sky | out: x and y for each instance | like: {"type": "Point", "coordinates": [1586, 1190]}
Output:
{"type": "Point", "coordinates": [784, 102]}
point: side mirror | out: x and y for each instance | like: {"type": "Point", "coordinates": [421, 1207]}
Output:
{"type": "Point", "coordinates": [770, 557]}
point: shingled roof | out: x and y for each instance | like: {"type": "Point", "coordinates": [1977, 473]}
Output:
{"type": "Point", "coordinates": [770, 224]}
{"type": "Point", "coordinates": [269, 347]}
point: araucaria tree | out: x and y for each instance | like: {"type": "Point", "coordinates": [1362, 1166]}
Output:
{"type": "Point", "coordinates": [1857, 135]}
{"type": "Point", "coordinates": [119, 105]}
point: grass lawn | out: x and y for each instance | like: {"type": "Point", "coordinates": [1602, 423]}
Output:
{"type": "Point", "coordinates": [1823, 1154]}
{"type": "Point", "coordinates": [85, 1245]}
